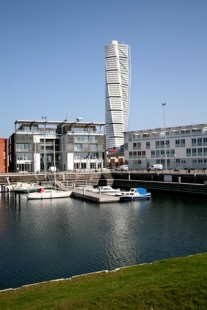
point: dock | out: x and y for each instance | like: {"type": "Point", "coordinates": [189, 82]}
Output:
{"type": "Point", "coordinates": [95, 197]}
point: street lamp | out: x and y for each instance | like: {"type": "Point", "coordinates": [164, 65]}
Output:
{"type": "Point", "coordinates": [44, 117]}
{"type": "Point", "coordinates": [164, 104]}
{"type": "Point", "coordinates": [174, 161]}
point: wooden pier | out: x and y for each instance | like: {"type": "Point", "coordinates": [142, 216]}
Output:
{"type": "Point", "coordinates": [95, 197]}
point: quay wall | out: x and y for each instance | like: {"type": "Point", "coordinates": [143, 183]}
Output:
{"type": "Point", "coordinates": [194, 184]}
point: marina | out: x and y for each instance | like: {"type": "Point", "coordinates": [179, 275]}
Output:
{"type": "Point", "coordinates": [50, 239]}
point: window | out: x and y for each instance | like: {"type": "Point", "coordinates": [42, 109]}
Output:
{"type": "Point", "coordinates": [167, 143]}
{"type": "Point", "coordinates": [188, 152]}
{"type": "Point", "coordinates": [172, 152]}
{"type": "Point", "coordinates": [134, 154]}
{"type": "Point", "coordinates": [130, 155]}
{"type": "Point", "coordinates": [126, 146]}
{"type": "Point", "coordinates": [200, 151]}
{"type": "Point", "coordinates": [78, 147]}
{"type": "Point", "coordinates": [139, 154]}
{"type": "Point", "coordinates": [200, 162]}
{"type": "Point", "coordinates": [157, 144]}
{"type": "Point", "coordinates": [182, 142]}
{"type": "Point", "coordinates": [193, 142]}
{"type": "Point", "coordinates": [194, 152]}
{"type": "Point", "coordinates": [199, 141]}
{"type": "Point", "coordinates": [147, 145]}
{"type": "Point", "coordinates": [22, 147]}
{"type": "Point", "coordinates": [162, 144]}
{"type": "Point", "coordinates": [152, 154]}
{"type": "Point", "coordinates": [162, 153]}
{"type": "Point", "coordinates": [143, 153]}
{"type": "Point", "coordinates": [205, 151]}
{"type": "Point", "coordinates": [134, 146]}
{"type": "Point", "coordinates": [204, 141]}
{"type": "Point", "coordinates": [93, 147]}
{"type": "Point", "coordinates": [130, 137]}
{"type": "Point", "coordinates": [194, 161]}
{"type": "Point", "coordinates": [157, 153]}
{"type": "Point", "coordinates": [177, 143]}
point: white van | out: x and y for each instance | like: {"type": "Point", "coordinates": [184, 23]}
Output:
{"type": "Point", "coordinates": [122, 168]}
{"type": "Point", "coordinates": [155, 167]}
{"type": "Point", "coordinates": [52, 169]}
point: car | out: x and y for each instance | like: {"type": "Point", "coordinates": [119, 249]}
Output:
{"type": "Point", "coordinates": [122, 168]}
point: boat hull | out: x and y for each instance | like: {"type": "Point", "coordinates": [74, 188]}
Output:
{"type": "Point", "coordinates": [49, 195]}
{"type": "Point", "coordinates": [130, 198]}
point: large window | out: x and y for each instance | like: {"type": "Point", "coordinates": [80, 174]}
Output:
{"type": "Point", "coordinates": [24, 156]}
{"type": "Point", "coordinates": [199, 141]}
{"type": "Point", "coordinates": [93, 147]}
{"type": "Point", "coordinates": [22, 147]}
{"type": "Point", "coordinates": [78, 147]}
{"type": "Point", "coordinates": [200, 151]}
{"type": "Point", "coordinates": [147, 145]}
{"type": "Point", "coordinates": [182, 142]}
{"type": "Point", "coordinates": [177, 143]}
{"type": "Point", "coordinates": [193, 142]}
{"type": "Point", "coordinates": [188, 152]}
{"type": "Point", "coordinates": [194, 152]}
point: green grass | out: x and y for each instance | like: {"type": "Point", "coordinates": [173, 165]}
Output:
{"type": "Point", "coordinates": [178, 283]}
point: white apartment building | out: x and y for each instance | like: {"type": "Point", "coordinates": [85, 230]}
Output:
{"type": "Point", "coordinates": [184, 147]}
{"type": "Point", "coordinates": [117, 94]}
{"type": "Point", "coordinates": [37, 145]}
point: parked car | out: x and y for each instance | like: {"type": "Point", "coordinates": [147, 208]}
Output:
{"type": "Point", "coordinates": [122, 168]}
{"type": "Point", "coordinates": [52, 169]}
{"type": "Point", "coordinates": [155, 167]}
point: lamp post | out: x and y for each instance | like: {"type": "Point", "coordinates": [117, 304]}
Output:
{"type": "Point", "coordinates": [174, 161]}
{"type": "Point", "coordinates": [164, 104]}
{"type": "Point", "coordinates": [44, 117]}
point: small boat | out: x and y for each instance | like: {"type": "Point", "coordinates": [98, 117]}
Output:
{"type": "Point", "coordinates": [135, 194]}
{"type": "Point", "coordinates": [49, 194]}
{"type": "Point", "coordinates": [108, 190]}
{"type": "Point", "coordinates": [22, 187]}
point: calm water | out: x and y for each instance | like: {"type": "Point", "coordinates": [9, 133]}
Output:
{"type": "Point", "coordinates": [44, 240]}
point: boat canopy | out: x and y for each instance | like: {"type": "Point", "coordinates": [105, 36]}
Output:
{"type": "Point", "coordinates": [142, 191]}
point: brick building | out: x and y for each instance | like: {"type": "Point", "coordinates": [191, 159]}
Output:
{"type": "Point", "coordinates": [4, 158]}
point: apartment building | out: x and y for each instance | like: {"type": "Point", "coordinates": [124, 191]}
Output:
{"type": "Point", "coordinates": [183, 146]}
{"type": "Point", "coordinates": [4, 156]}
{"type": "Point", "coordinates": [37, 145]}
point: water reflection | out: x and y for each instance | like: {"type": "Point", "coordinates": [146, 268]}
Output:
{"type": "Point", "coordinates": [43, 240]}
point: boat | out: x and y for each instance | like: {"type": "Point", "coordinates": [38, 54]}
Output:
{"type": "Point", "coordinates": [108, 190]}
{"type": "Point", "coordinates": [22, 187]}
{"type": "Point", "coordinates": [135, 194]}
{"type": "Point", "coordinates": [49, 194]}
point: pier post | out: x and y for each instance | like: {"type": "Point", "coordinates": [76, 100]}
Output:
{"type": "Point", "coordinates": [179, 180]}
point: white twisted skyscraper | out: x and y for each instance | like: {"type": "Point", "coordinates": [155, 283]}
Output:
{"type": "Point", "coordinates": [118, 78]}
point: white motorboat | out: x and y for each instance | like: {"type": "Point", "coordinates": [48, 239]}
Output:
{"type": "Point", "coordinates": [49, 194]}
{"type": "Point", "coordinates": [108, 190]}
{"type": "Point", "coordinates": [135, 194]}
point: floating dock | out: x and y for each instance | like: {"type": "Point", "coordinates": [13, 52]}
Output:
{"type": "Point", "coordinates": [95, 197]}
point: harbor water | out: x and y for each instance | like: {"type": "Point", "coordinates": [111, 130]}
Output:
{"type": "Point", "coordinates": [52, 239]}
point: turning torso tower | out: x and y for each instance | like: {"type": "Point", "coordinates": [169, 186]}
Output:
{"type": "Point", "coordinates": [117, 94]}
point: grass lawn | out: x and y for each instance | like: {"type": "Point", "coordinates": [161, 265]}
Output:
{"type": "Point", "coordinates": [178, 283]}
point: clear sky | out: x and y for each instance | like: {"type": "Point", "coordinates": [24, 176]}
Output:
{"type": "Point", "coordinates": [52, 60]}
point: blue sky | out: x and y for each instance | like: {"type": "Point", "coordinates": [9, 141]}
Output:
{"type": "Point", "coordinates": [52, 60]}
